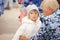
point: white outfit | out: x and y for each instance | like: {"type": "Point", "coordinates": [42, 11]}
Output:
{"type": "Point", "coordinates": [28, 28]}
{"type": "Point", "coordinates": [6, 3]}
{"type": "Point", "coordinates": [10, 3]}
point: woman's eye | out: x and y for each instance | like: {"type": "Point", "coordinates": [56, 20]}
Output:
{"type": "Point", "coordinates": [49, 9]}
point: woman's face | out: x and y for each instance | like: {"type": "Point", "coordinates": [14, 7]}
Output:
{"type": "Point", "coordinates": [33, 15]}
{"type": "Point", "coordinates": [48, 11]}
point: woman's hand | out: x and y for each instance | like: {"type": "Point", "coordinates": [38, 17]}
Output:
{"type": "Point", "coordinates": [21, 37]}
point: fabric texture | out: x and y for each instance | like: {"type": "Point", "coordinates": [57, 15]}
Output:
{"type": "Point", "coordinates": [50, 29]}
{"type": "Point", "coordinates": [28, 28]}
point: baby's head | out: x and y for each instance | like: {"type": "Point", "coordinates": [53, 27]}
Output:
{"type": "Point", "coordinates": [32, 12]}
{"type": "Point", "coordinates": [49, 6]}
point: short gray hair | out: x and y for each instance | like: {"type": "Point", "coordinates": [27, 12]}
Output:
{"type": "Point", "coordinates": [51, 3]}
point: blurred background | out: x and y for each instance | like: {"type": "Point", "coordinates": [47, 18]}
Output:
{"type": "Point", "coordinates": [9, 12]}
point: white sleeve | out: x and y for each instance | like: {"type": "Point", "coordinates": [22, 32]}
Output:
{"type": "Point", "coordinates": [19, 32]}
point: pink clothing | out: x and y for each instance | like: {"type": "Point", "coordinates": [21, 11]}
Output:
{"type": "Point", "coordinates": [20, 1]}
{"type": "Point", "coordinates": [22, 15]}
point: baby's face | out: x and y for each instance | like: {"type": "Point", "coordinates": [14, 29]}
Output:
{"type": "Point", "coordinates": [48, 11]}
{"type": "Point", "coordinates": [33, 15]}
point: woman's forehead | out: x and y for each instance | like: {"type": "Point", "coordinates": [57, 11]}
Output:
{"type": "Point", "coordinates": [48, 7]}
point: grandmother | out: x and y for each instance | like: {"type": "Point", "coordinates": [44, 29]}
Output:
{"type": "Point", "coordinates": [50, 29]}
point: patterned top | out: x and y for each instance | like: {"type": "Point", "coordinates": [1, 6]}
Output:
{"type": "Point", "coordinates": [50, 29]}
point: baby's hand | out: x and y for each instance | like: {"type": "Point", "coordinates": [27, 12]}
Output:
{"type": "Point", "coordinates": [21, 37]}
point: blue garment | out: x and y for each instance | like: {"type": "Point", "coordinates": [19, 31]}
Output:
{"type": "Point", "coordinates": [26, 3]}
{"type": "Point", "coordinates": [50, 29]}
{"type": "Point", "coordinates": [14, 1]}
{"type": "Point", "coordinates": [36, 2]}
{"type": "Point", "coordinates": [1, 7]}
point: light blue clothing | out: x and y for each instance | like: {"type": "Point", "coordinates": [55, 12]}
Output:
{"type": "Point", "coordinates": [50, 29]}
{"type": "Point", "coordinates": [1, 7]}
{"type": "Point", "coordinates": [27, 1]}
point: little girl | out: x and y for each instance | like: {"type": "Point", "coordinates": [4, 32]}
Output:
{"type": "Point", "coordinates": [22, 13]}
{"type": "Point", "coordinates": [30, 25]}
